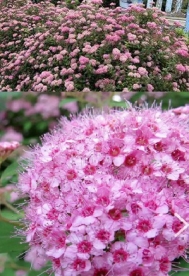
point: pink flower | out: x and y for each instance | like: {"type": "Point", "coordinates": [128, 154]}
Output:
{"type": "Point", "coordinates": [152, 25]}
{"type": "Point", "coordinates": [6, 148]}
{"type": "Point", "coordinates": [71, 107]}
{"type": "Point", "coordinates": [168, 77]}
{"type": "Point", "coordinates": [11, 135]}
{"type": "Point", "coordinates": [181, 110]}
{"type": "Point", "coordinates": [183, 52]}
{"type": "Point", "coordinates": [102, 70]}
{"type": "Point", "coordinates": [136, 86]}
{"type": "Point", "coordinates": [17, 105]}
{"type": "Point", "coordinates": [150, 87]}
{"type": "Point", "coordinates": [69, 85]}
{"type": "Point", "coordinates": [47, 106]}
{"type": "Point", "coordinates": [142, 71]}
{"type": "Point", "coordinates": [116, 53]}
{"type": "Point", "coordinates": [96, 2]}
{"type": "Point", "coordinates": [104, 191]}
{"type": "Point", "coordinates": [113, 38]}
{"type": "Point", "coordinates": [131, 37]}
{"type": "Point", "coordinates": [36, 256]}
{"type": "Point", "coordinates": [83, 60]}
{"type": "Point", "coordinates": [180, 68]}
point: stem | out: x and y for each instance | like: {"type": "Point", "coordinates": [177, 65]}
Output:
{"type": "Point", "coordinates": [18, 267]}
{"type": "Point", "coordinates": [16, 223]}
{"type": "Point", "coordinates": [9, 206]}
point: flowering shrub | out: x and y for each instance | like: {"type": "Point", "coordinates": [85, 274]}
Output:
{"type": "Point", "coordinates": [106, 192]}
{"type": "Point", "coordinates": [47, 48]}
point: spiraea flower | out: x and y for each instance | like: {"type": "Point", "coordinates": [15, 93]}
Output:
{"type": "Point", "coordinates": [182, 111]}
{"type": "Point", "coordinates": [106, 192]}
{"type": "Point", "coordinates": [6, 148]}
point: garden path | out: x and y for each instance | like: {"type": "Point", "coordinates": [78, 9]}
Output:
{"type": "Point", "coordinates": [179, 19]}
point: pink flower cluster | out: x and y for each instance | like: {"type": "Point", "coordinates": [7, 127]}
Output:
{"type": "Point", "coordinates": [104, 194]}
{"type": "Point", "coordinates": [6, 148]}
{"type": "Point", "coordinates": [47, 48]}
{"type": "Point", "coordinates": [182, 111]}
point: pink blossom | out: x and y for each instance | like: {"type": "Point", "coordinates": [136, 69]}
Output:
{"type": "Point", "coordinates": [180, 68]}
{"type": "Point", "coordinates": [152, 25]}
{"type": "Point", "coordinates": [102, 70]}
{"type": "Point", "coordinates": [104, 190]}
{"type": "Point", "coordinates": [131, 37]}
{"type": "Point", "coordinates": [11, 135]}
{"type": "Point", "coordinates": [96, 1]}
{"type": "Point", "coordinates": [47, 106]}
{"type": "Point", "coordinates": [6, 148]}
{"type": "Point", "coordinates": [150, 87]}
{"type": "Point", "coordinates": [136, 86]}
{"type": "Point", "coordinates": [71, 107]}
{"type": "Point", "coordinates": [142, 71]}
{"type": "Point", "coordinates": [83, 60]}
{"type": "Point", "coordinates": [181, 110]}
{"type": "Point", "coordinates": [69, 85]}
{"type": "Point", "coordinates": [168, 77]}
{"type": "Point", "coordinates": [183, 52]}
{"type": "Point", "coordinates": [116, 53]}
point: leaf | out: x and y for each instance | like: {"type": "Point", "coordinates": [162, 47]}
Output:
{"type": "Point", "coordinates": [10, 215]}
{"type": "Point", "coordinates": [27, 126]}
{"type": "Point", "coordinates": [118, 104]}
{"type": "Point", "coordinates": [42, 126]}
{"type": "Point", "coordinates": [8, 243]}
{"type": "Point", "coordinates": [67, 100]}
{"type": "Point", "coordinates": [9, 172]}
{"type": "Point", "coordinates": [8, 272]}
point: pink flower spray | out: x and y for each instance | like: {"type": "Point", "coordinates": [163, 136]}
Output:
{"type": "Point", "coordinates": [106, 192]}
{"type": "Point", "coordinates": [6, 148]}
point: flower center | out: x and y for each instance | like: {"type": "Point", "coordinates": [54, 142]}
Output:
{"type": "Point", "coordinates": [130, 160]}
{"type": "Point", "coordinates": [120, 256]}
{"type": "Point", "coordinates": [84, 247]}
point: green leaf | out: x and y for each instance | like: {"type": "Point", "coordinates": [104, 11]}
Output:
{"type": "Point", "coordinates": [27, 126]}
{"type": "Point", "coordinates": [8, 272]}
{"type": "Point", "coordinates": [67, 100]}
{"type": "Point", "coordinates": [10, 215]}
{"type": "Point", "coordinates": [42, 126]}
{"type": "Point", "coordinates": [9, 172]}
{"type": "Point", "coordinates": [118, 104]}
{"type": "Point", "coordinates": [8, 243]}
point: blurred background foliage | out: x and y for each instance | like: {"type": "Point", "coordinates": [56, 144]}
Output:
{"type": "Point", "coordinates": [24, 118]}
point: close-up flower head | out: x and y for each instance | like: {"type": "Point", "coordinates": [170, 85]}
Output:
{"type": "Point", "coordinates": [108, 194]}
